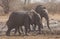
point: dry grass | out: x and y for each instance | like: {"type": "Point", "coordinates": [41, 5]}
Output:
{"type": "Point", "coordinates": [4, 18]}
{"type": "Point", "coordinates": [55, 16]}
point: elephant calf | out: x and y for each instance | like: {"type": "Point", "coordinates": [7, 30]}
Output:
{"type": "Point", "coordinates": [16, 20]}
{"type": "Point", "coordinates": [36, 20]}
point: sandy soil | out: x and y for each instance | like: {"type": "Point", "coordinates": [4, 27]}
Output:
{"type": "Point", "coordinates": [32, 37]}
{"type": "Point", "coordinates": [55, 16]}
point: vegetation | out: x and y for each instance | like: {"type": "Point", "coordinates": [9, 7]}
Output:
{"type": "Point", "coordinates": [17, 5]}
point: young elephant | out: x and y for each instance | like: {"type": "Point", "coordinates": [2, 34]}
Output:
{"type": "Point", "coordinates": [36, 20]}
{"type": "Point", "coordinates": [16, 20]}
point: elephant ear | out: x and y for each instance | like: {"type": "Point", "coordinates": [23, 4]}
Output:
{"type": "Point", "coordinates": [35, 12]}
{"type": "Point", "coordinates": [30, 15]}
{"type": "Point", "coordinates": [45, 10]}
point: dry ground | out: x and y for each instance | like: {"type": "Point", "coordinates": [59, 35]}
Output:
{"type": "Point", "coordinates": [32, 37]}
{"type": "Point", "coordinates": [55, 17]}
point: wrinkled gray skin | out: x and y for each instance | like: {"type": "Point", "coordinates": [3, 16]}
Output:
{"type": "Point", "coordinates": [16, 20]}
{"type": "Point", "coordinates": [36, 20]}
{"type": "Point", "coordinates": [40, 9]}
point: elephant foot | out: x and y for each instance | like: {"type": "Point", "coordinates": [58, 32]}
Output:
{"type": "Point", "coordinates": [19, 34]}
{"type": "Point", "coordinates": [39, 33]}
{"type": "Point", "coordinates": [26, 34]}
{"type": "Point", "coordinates": [29, 31]}
{"type": "Point", "coordinates": [7, 34]}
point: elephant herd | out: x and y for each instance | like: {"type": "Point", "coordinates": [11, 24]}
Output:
{"type": "Point", "coordinates": [27, 18]}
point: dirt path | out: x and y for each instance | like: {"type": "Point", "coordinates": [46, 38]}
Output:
{"type": "Point", "coordinates": [32, 37]}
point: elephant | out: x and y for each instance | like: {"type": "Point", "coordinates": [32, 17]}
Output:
{"type": "Point", "coordinates": [17, 20]}
{"type": "Point", "coordinates": [43, 13]}
{"type": "Point", "coordinates": [36, 20]}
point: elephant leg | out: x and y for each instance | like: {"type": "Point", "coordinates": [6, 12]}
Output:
{"type": "Point", "coordinates": [19, 30]}
{"type": "Point", "coordinates": [29, 29]}
{"type": "Point", "coordinates": [39, 29]}
{"type": "Point", "coordinates": [26, 28]}
{"type": "Point", "coordinates": [41, 18]}
{"type": "Point", "coordinates": [26, 24]}
{"type": "Point", "coordinates": [34, 27]}
{"type": "Point", "coordinates": [25, 31]}
{"type": "Point", "coordinates": [8, 31]}
{"type": "Point", "coordinates": [15, 31]}
{"type": "Point", "coordinates": [41, 21]}
{"type": "Point", "coordinates": [39, 26]}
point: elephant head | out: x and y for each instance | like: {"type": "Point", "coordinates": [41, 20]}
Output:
{"type": "Point", "coordinates": [43, 13]}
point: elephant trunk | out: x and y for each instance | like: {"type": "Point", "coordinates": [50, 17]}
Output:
{"type": "Point", "coordinates": [48, 23]}
{"type": "Point", "coordinates": [47, 19]}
